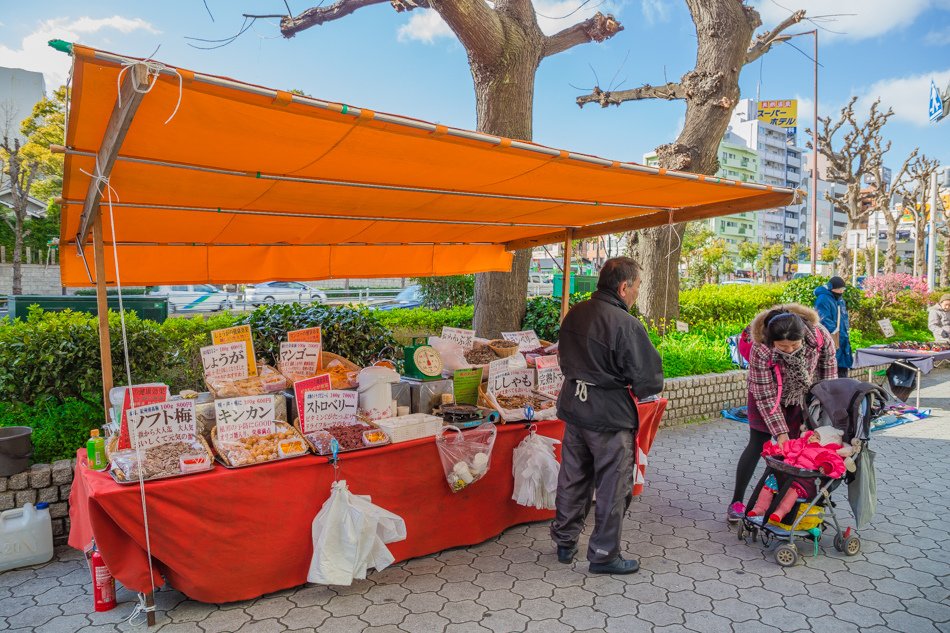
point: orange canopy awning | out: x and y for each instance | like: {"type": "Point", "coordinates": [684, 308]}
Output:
{"type": "Point", "coordinates": [248, 184]}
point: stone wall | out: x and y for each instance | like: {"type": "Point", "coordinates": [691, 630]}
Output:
{"type": "Point", "coordinates": [48, 483]}
{"type": "Point", "coordinates": [696, 398]}
{"type": "Point", "coordinates": [37, 279]}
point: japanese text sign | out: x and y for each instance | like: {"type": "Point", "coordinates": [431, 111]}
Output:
{"type": "Point", "coordinates": [225, 362]}
{"type": "Point", "coordinates": [310, 335]}
{"type": "Point", "coordinates": [239, 334]}
{"type": "Point", "coordinates": [782, 113]}
{"type": "Point", "coordinates": [526, 340]}
{"type": "Point", "coordinates": [464, 338]}
{"type": "Point", "coordinates": [550, 377]}
{"type": "Point", "coordinates": [299, 359]}
{"type": "Point", "coordinates": [301, 387]}
{"type": "Point", "coordinates": [162, 423]}
{"type": "Point", "coordinates": [497, 366]}
{"type": "Point", "coordinates": [137, 396]}
{"type": "Point", "coordinates": [238, 418]}
{"type": "Point", "coordinates": [886, 327]}
{"type": "Point", "coordinates": [518, 382]}
{"type": "Point", "coordinates": [328, 408]}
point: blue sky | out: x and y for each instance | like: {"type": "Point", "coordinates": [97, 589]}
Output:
{"type": "Point", "coordinates": [411, 64]}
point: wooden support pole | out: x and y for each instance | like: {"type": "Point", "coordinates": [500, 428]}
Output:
{"type": "Point", "coordinates": [566, 286]}
{"type": "Point", "coordinates": [102, 304]}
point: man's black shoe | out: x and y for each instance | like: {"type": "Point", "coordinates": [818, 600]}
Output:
{"type": "Point", "coordinates": [566, 554]}
{"type": "Point", "coordinates": [617, 566]}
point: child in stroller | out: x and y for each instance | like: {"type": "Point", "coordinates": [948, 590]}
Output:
{"type": "Point", "coordinates": [793, 497]}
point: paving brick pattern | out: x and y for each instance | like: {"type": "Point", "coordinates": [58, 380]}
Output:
{"type": "Point", "coordinates": [696, 576]}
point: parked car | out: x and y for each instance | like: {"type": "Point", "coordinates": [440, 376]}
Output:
{"type": "Point", "coordinates": [194, 298]}
{"type": "Point", "coordinates": [408, 297]}
{"type": "Point", "coordinates": [282, 292]}
{"type": "Point", "coordinates": [540, 285]}
{"type": "Point", "coordinates": [736, 282]}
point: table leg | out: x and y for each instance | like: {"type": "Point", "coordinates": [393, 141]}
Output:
{"type": "Point", "coordinates": [920, 376]}
{"type": "Point", "coordinates": [150, 605]}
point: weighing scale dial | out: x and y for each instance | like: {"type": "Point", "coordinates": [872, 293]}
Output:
{"type": "Point", "coordinates": [427, 361]}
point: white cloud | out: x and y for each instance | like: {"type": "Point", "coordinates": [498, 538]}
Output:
{"type": "Point", "coordinates": [857, 19]}
{"type": "Point", "coordinates": [656, 11]}
{"type": "Point", "coordinates": [34, 53]}
{"type": "Point", "coordinates": [553, 15]}
{"type": "Point", "coordinates": [906, 95]}
{"type": "Point", "coordinates": [938, 38]}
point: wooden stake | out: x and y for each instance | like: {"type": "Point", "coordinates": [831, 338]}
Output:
{"type": "Point", "coordinates": [102, 303]}
{"type": "Point", "coordinates": [150, 602]}
{"type": "Point", "coordinates": [566, 286]}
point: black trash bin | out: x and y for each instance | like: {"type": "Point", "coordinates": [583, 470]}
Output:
{"type": "Point", "coordinates": [16, 449]}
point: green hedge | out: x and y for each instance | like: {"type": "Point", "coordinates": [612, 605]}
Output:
{"type": "Point", "coordinates": [735, 302]}
{"type": "Point", "coordinates": [59, 428]}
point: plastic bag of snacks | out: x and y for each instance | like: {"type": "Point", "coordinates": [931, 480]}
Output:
{"type": "Point", "coordinates": [466, 456]}
{"type": "Point", "coordinates": [257, 449]}
{"type": "Point", "coordinates": [267, 380]}
{"type": "Point", "coordinates": [165, 460]}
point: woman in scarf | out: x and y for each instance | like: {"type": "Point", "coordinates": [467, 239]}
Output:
{"type": "Point", "coordinates": [791, 351]}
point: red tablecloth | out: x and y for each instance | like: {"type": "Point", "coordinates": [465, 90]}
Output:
{"type": "Point", "coordinates": [236, 534]}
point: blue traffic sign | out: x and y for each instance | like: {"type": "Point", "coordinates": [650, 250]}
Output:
{"type": "Point", "coordinates": [936, 103]}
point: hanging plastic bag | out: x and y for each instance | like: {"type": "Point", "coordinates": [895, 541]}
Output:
{"type": "Point", "coordinates": [350, 536]}
{"type": "Point", "coordinates": [465, 457]}
{"type": "Point", "coordinates": [862, 491]}
{"type": "Point", "coordinates": [535, 469]}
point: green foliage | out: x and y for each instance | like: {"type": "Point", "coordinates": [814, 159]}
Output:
{"type": "Point", "coordinates": [59, 428]}
{"type": "Point", "coordinates": [426, 321]}
{"type": "Point", "coordinates": [44, 127]}
{"type": "Point", "coordinates": [355, 333]}
{"type": "Point", "coordinates": [41, 231]}
{"type": "Point", "coordinates": [447, 292]}
{"type": "Point", "coordinates": [543, 315]}
{"type": "Point", "coordinates": [802, 290]}
{"type": "Point", "coordinates": [689, 354]}
{"type": "Point", "coordinates": [712, 303]}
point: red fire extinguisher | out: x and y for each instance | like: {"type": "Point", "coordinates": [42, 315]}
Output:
{"type": "Point", "coordinates": [103, 584]}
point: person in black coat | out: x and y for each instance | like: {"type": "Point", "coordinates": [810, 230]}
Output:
{"type": "Point", "coordinates": [608, 360]}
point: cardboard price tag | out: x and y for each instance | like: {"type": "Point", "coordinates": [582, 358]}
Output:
{"type": "Point", "coordinates": [886, 328]}
{"type": "Point", "coordinates": [550, 377]}
{"type": "Point", "coordinates": [225, 362]}
{"type": "Point", "coordinates": [243, 417]}
{"type": "Point", "coordinates": [299, 359]}
{"type": "Point", "coordinates": [464, 338]}
{"type": "Point", "coordinates": [239, 334]}
{"type": "Point", "coordinates": [465, 384]}
{"type": "Point", "coordinates": [518, 382]}
{"type": "Point", "coordinates": [301, 387]}
{"type": "Point", "coordinates": [526, 340]}
{"type": "Point", "coordinates": [328, 408]}
{"type": "Point", "coordinates": [138, 395]}
{"type": "Point", "coordinates": [162, 423]}
{"type": "Point", "coordinates": [497, 366]}
{"type": "Point", "coordinates": [309, 335]}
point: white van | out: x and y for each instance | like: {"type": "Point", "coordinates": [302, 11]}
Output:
{"type": "Point", "coordinates": [540, 285]}
{"type": "Point", "coordinates": [196, 298]}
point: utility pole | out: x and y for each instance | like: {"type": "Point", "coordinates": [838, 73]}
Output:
{"type": "Point", "coordinates": [931, 240]}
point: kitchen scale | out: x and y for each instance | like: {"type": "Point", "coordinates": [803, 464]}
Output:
{"type": "Point", "coordinates": [422, 360]}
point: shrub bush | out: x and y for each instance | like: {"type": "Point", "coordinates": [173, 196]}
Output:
{"type": "Point", "coordinates": [447, 292]}
{"type": "Point", "coordinates": [803, 291]}
{"type": "Point", "coordinates": [543, 315]}
{"type": "Point", "coordinates": [738, 302]}
{"type": "Point", "coordinates": [355, 333]}
{"type": "Point", "coordinates": [59, 428]}
{"type": "Point", "coordinates": [425, 320]}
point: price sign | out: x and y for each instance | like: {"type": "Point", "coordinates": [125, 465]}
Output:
{"type": "Point", "coordinates": [328, 408]}
{"type": "Point", "coordinates": [464, 338]}
{"type": "Point", "coordinates": [239, 334]}
{"type": "Point", "coordinates": [550, 377]}
{"type": "Point", "coordinates": [518, 382]}
{"type": "Point", "coordinates": [317, 383]}
{"type": "Point", "coordinates": [310, 335]}
{"type": "Point", "coordinates": [162, 423]}
{"type": "Point", "coordinates": [497, 366]}
{"type": "Point", "coordinates": [465, 384]}
{"type": "Point", "coordinates": [886, 328]}
{"type": "Point", "coordinates": [299, 359]}
{"type": "Point", "coordinates": [682, 326]}
{"type": "Point", "coordinates": [238, 418]}
{"type": "Point", "coordinates": [138, 395]}
{"type": "Point", "coordinates": [526, 340]}
{"type": "Point", "coordinates": [225, 362]}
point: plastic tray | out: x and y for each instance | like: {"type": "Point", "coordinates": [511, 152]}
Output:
{"type": "Point", "coordinates": [410, 427]}
{"type": "Point", "coordinates": [221, 461]}
{"type": "Point", "coordinates": [135, 482]}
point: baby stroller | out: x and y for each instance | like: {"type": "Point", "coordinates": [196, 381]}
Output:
{"type": "Point", "coordinates": [848, 405]}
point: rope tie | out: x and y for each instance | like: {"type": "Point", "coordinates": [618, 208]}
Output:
{"type": "Point", "coordinates": [140, 609]}
{"type": "Point", "coordinates": [153, 70]}
{"type": "Point", "coordinates": [581, 391]}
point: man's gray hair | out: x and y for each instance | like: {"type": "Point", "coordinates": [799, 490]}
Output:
{"type": "Point", "coordinates": [616, 271]}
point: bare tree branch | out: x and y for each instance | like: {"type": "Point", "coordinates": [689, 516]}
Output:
{"type": "Point", "coordinates": [598, 28]}
{"type": "Point", "coordinates": [763, 43]}
{"type": "Point", "coordinates": [669, 91]}
{"type": "Point", "coordinates": [315, 16]}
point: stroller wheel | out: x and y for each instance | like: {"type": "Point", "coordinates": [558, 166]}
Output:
{"type": "Point", "coordinates": [740, 532]}
{"type": "Point", "coordinates": [839, 543]}
{"type": "Point", "coordinates": [786, 555]}
{"type": "Point", "coordinates": [851, 546]}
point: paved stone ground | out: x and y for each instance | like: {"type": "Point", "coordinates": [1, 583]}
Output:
{"type": "Point", "coordinates": [696, 576]}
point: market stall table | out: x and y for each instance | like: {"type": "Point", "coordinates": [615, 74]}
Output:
{"type": "Point", "coordinates": [919, 361]}
{"type": "Point", "coordinates": [236, 534]}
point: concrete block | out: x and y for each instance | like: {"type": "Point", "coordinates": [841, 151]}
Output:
{"type": "Point", "coordinates": [40, 475]}
{"type": "Point", "coordinates": [59, 510]}
{"type": "Point", "coordinates": [20, 481]}
{"type": "Point", "coordinates": [3, 484]}
{"type": "Point", "coordinates": [24, 497]}
{"type": "Point", "coordinates": [47, 495]}
{"type": "Point", "coordinates": [7, 501]}
{"type": "Point", "coordinates": [64, 492]}
{"type": "Point", "coordinates": [62, 472]}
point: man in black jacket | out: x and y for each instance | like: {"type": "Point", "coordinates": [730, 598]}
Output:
{"type": "Point", "coordinates": [607, 359]}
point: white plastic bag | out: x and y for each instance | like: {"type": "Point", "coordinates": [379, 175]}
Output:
{"type": "Point", "coordinates": [466, 456]}
{"type": "Point", "coordinates": [535, 470]}
{"type": "Point", "coordinates": [350, 536]}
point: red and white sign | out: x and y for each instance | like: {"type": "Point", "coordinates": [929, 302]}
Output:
{"type": "Point", "coordinates": [137, 396]}
{"type": "Point", "coordinates": [237, 418]}
{"type": "Point", "coordinates": [328, 408]}
{"type": "Point", "coordinates": [162, 423]}
{"type": "Point", "coordinates": [302, 387]}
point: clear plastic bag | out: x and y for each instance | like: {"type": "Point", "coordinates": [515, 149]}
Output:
{"type": "Point", "coordinates": [535, 469]}
{"type": "Point", "coordinates": [466, 456]}
{"type": "Point", "coordinates": [268, 380]}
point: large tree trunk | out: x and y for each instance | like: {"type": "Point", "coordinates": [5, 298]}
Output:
{"type": "Point", "coordinates": [504, 96]}
{"type": "Point", "coordinates": [945, 263]}
{"type": "Point", "coordinates": [724, 29]}
{"type": "Point", "coordinates": [920, 248]}
{"type": "Point", "coordinates": [18, 257]}
{"type": "Point", "coordinates": [890, 262]}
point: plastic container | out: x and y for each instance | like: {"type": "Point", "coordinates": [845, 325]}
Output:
{"type": "Point", "coordinates": [410, 427]}
{"type": "Point", "coordinates": [26, 536]}
{"type": "Point", "coordinates": [376, 394]}
{"type": "Point", "coordinates": [16, 448]}
{"type": "Point", "coordinates": [96, 451]}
